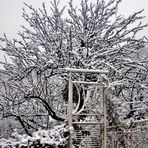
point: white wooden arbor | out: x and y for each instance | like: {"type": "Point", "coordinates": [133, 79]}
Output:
{"type": "Point", "coordinates": [102, 83]}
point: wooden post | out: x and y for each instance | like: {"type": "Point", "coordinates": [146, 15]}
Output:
{"type": "Point", "coordinates": [131, 138]}
{"type": "Point", "coordinates": [137, 143]}
{"type": "Point", "coordinates": [127, 143]}
{"type": "Point", "coordinates": [104, 115]}
{"type": "Point", "coordinates": [70, 108]}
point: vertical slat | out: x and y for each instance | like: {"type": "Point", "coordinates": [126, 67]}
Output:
{"type": "Point", "coordinates": [115, 144]}
{"type": "Point", "coordinates": [141, 134]}
{"type": "Point", "coordinates": [70, 108]}
{"type": "Point", "coordinates": [105, 116]}
{"type": "Point", "coordinates": [136, 138]}
{"type": "Point", "coordinates": [113, 139]}
{"type": "Point", "coordinates": [146, 137]}
{"type": "Point", "coordinates": [131, 140]}
{"type": "Point", "coordinates": [125, 140]}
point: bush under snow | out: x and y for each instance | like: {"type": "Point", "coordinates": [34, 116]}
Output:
{"type": "Point", "coordinates": [54, 138]}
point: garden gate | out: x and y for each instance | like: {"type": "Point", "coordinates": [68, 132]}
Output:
{"type": "Point", "coordinates": [87, 115]}
{"type": "Point", "coordinates": [89, 118]}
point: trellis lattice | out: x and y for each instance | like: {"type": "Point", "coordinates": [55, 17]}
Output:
{"type": "Point", "coordinates": [88, 114]}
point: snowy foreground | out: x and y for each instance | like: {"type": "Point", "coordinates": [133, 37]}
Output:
{"type": "Point", "coordinates": [54, 138]}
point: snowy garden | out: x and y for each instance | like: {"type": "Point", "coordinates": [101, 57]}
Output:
{"type": "Point", "coordinates": [79, 81]}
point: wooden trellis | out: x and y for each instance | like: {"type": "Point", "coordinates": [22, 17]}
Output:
{"type": "Point", "coordinates": [95, 132]}
{"type": "Point", "coordinates": [93, 125]}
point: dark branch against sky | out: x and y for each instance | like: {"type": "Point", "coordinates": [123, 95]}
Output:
{"type": "Point", "coordinates": [11, 13]}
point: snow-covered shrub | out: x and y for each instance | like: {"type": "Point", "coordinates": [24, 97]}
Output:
{"type": "Point", "coordinates": [54, 138]}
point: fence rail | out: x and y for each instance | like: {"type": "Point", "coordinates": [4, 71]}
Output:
{"type": "Point", "coordinates": [91, 135]}
{"type": "Point", "coordinates": [123, 137]}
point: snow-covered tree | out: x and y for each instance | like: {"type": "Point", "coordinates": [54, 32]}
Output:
{"type": "Point", "coordinates": [94, 36]}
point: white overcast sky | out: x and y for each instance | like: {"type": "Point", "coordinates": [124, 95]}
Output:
{"type": "Point", "coordinates": [11, 11]}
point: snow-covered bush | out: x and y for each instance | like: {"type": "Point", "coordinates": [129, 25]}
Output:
{"type": "Point", "coordinates": [54, 138]}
